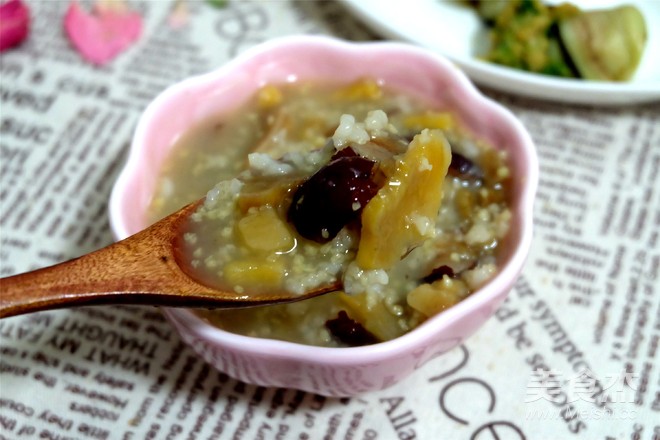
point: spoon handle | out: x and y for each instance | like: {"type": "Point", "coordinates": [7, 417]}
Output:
{"type": "Point", "coordinates": [141, 269]}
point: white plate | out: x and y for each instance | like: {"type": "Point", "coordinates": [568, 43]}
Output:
{"type": "Point", "coordinates": [456, 32]}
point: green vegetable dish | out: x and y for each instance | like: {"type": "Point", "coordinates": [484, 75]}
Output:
{"type": "Point", "coordinates": [564, 41]}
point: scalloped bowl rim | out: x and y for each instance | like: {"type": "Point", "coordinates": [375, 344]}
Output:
{"type": "Point", "coordinates": [493, 291]}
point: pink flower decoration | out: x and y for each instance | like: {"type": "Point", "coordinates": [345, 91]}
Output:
{"type": "Point", "coordinates": [178, 17]}
{"type": "Point", "coordinates": [101, 36]}
{"type": "Point", "coordinates": [14, 23]}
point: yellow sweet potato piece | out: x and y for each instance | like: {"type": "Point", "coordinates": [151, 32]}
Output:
{"type": "Point", "coordinates": [267, 192]}
{"type": "Point", "coordinates": [441, 120]}
{"type": "Point", "coordinates": [265, 231]}
{"type": "Point", "coordinates": [255, 274]}
{"type": "Point", "coordinates": [431, 299]}
{"type": "Point", "coordinates": [375, 318]}
{"type": "Point", "coordinates": [403, 213]}
{"type": "Point", "coordinates": [364, 89]}
{"type": "Point", "coordinates": [269, 96]}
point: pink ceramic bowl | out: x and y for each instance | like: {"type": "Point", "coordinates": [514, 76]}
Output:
{"type": "Point", "coordinates": [329, 371]}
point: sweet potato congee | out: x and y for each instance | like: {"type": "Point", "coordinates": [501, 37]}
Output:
{"type": "Point", "coordinates": [358, 186]}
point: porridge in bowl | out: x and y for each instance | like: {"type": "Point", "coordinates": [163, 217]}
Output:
{"type": "Point", "coordinates": [358, 186]}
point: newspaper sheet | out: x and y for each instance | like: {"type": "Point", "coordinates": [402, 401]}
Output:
{"type": "Point", "coordinates": [572, 353]}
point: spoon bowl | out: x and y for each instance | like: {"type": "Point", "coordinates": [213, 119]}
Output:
{"type": "Point", "coordinates": [145, 268]}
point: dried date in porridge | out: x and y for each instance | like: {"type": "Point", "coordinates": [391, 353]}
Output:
{"type": "Point", "coordinates": [355, 185]}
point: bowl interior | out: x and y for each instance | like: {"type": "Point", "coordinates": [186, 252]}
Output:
{"type": "Point", "coordinates": [402, 67]}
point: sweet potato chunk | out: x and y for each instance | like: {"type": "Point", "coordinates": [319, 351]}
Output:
{"type": "Point", "coordinates": [267, 192]}
{"type": "Point", "coordinates": [404, 211]}
{"type": "Point", "coordinates": [431, 299]}
{"type": "Point", "coordinates": [375, 317]}
{"type": "Point", "coordinates": [265, 231]}
{"type": "Point", "coordinates": [255, 275]}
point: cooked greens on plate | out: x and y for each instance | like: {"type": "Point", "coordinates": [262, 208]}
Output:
{"type": "Point", "coordinates": [563, 40]}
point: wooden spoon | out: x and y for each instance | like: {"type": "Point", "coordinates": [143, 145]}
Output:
{"type": "Point", "coordinates": [142, 269]}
